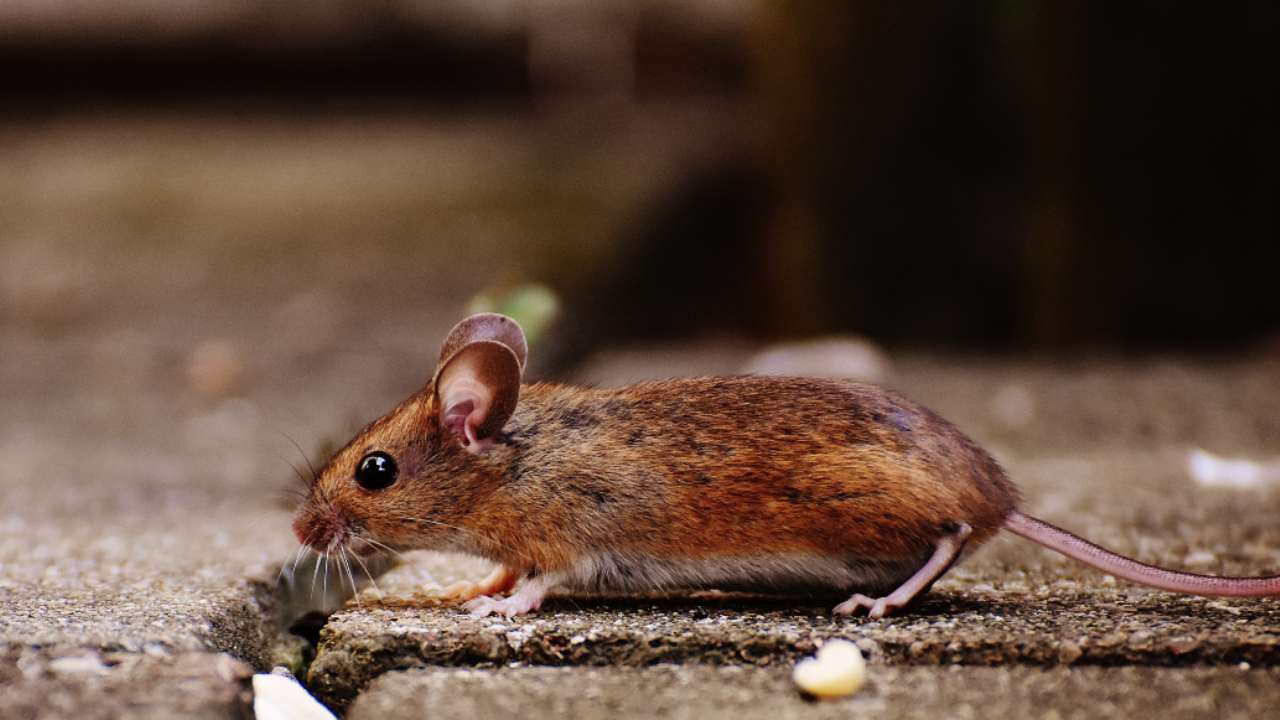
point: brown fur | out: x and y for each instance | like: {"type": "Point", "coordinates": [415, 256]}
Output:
{"type": "Point", "coordinates": [678, 469]}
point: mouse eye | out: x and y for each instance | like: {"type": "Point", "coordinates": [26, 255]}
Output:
{"type": "Point", "coordinates": [376, 471]}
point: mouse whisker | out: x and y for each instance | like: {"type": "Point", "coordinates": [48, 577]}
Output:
{"type": "Point", "coordinates": [435, 522]}
{"type": "Point", "coordinates": [307, 460]}
{"type": "Point", "coordinates": [399, 556]}
{"type": "Point", "coordinates": [480, 538]}
{"type": "Point", "coordinates": [379, 545]}
{"type": "Point", "coordinates": [365, 567]}
{"type": "Point", "coordinates": [338, 578]}
{"type": "Point", "coordinates": [289, 567]}
{"type": "Point", "coordinates": [297, 473]}
{"type": "Point", "coordinates": [471, 535]}
{"type": "Point", "coordinates": [343, 556]}
{"type": "Point", "coordinates": [341, 570]}
{"type": "Point", "coordinates": [287, 499]}
{"type": "Point", "coordinates": [324, 582]}
{"type": "Point", "coordinates": [315, 573]}
{"type": "Point", "coordinates": [303, 549]}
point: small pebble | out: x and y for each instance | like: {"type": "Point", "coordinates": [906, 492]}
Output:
{"type": "Point", "coordinates": [1069, 652]}
{"type": "Point", "coordinates": [78, 664]}
{"type": "Point", "coordinates": [1239, 473]}
{"type": "Point", "coordinates": [1200, 557]}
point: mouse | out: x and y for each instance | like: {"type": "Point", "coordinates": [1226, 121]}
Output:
{"type": "Point", "coordinates": [738, 482]}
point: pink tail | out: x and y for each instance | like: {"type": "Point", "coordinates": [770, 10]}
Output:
{"type": "Point", "coordinates": [1078, 548]}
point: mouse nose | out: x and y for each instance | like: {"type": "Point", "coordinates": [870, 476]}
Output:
{"type": "Point", "coordinates": [315, 530]}
{"type": "Point", "coordinates": [319, 529]}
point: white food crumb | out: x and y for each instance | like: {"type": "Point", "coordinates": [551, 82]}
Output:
{"type": "Point", "coordinates": [276, 697]}
{"type": "Point", "coordinates": [836, 671]}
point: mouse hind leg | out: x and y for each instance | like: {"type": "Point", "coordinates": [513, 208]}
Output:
{"type": "Point", "coordinates": [946, 552]}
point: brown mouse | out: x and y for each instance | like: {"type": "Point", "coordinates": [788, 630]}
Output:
{"type": "Point", "coordinates": [746, 482]}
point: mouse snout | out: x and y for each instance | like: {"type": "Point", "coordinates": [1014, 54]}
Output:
{"type": "Point", "coordinates": [319, 530]}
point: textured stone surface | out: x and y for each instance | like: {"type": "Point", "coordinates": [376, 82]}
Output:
{"type": "Point", "coordinates": [125, 607]}
{"type": "Point", "coordinates": [1056, 626]}
{"type": "Point", "coordinates": [82, 683]}
{"type": "Point", "coordinates": [962, 693]}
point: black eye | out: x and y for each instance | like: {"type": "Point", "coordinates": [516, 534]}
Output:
{"type": "Point", "coordinates": [376, 471]}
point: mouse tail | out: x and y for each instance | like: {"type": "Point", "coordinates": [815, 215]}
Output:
{"type": "Point", "coordinates": [1077, 548]}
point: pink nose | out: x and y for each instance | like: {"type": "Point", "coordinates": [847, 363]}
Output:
{"type": "Point", "coordinates": [319, 528]}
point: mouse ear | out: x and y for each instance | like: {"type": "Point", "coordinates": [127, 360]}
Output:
{"type": "Point", "coordinates": [477, 382]}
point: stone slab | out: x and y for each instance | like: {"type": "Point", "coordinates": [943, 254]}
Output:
{"type": "Point", "coordinates": [744, 693]}
{"type": "Point", "coordinates": [1055, 626]}
{"type": "Point", "coordinates": [40, 684]}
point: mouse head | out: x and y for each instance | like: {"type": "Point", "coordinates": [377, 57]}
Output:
{"type": "Point", "coordinates": [408, 479]}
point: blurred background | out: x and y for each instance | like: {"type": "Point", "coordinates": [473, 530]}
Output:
{"type": "Point", "coordinates": [1026, 175]}
{"type": "Point", "coordinates": [292, 199]}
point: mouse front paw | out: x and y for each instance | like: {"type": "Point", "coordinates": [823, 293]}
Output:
{"type": "Point", "coordinates": [527, 599]}
{"type": "Point", "coordinates": [465, 591]}
{"type": "Point", "coordinates": [500, 581]}
{"type": "Point", "coordinates": [486, 605]}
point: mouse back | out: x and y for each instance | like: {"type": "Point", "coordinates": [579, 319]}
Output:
{"type": "Point", "coordinates": [732, 465]}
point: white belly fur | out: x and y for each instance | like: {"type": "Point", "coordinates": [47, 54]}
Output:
{"type": "Point", "coordinates": [638, 573]}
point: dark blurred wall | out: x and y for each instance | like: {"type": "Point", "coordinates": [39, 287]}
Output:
{"type": "Point", "coordinates": [1031, 173]}
{"type": "Point", "coordinates": [1016, 174]}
